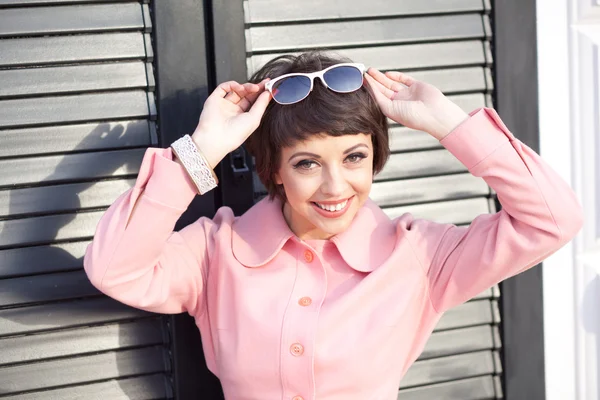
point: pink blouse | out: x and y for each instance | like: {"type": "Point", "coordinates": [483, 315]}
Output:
{"type": "Point", "coordinates": [283, 318]}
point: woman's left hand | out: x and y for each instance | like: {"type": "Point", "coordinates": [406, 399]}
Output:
{"type": "Point", "coordinates": [414, 104]}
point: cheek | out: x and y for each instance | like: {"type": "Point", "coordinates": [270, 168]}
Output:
{"type": "Point", "coordinates": [298, 188]}
{"type": "Point", "coordinates": [362, 180]}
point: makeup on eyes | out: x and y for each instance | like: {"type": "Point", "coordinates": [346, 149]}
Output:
{"type": "Point", "coordinates": [306, 162]}
{"type": "Point", "coordinates": [316, 156]}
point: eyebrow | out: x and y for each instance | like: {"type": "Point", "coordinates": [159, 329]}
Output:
{"type": "Point", "coordinates": [307, 154]}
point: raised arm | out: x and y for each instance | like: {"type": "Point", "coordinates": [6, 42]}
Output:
{"type": "Point", "coordinates": [539, 215]}
{"type": "Point", "coordinates": [135, 256]}
{"type": "Point", "coordinates": [540, 212]}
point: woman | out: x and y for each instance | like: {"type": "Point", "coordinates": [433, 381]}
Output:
{"type": "Point", "coordinates": [314, 293]}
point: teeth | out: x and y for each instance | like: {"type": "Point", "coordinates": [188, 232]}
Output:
{"type": "Point", "coordinates": [333, 207]}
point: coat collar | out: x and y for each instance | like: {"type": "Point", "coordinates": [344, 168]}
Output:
{"type": "Point", "coordinates": [261, 232]}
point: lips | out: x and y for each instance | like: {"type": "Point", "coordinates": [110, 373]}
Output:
{"type": "Point", "coordinates": [333, 207]}
{"type": "Point", "coordinates": [332, 210]}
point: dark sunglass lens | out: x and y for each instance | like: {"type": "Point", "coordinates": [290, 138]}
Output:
{"type": "Point", "coordinates": [292, 89]}
{"type": "Point", "coordinates": [344, 79]}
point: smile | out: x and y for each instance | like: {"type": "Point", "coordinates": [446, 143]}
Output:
{"type": "Point", "coordinates": [332, 210]}
{"type": "Point", "coordinates": [333, 207]}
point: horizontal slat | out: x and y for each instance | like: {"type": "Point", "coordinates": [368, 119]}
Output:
{"type": "Point", "coordinates": [491, 293]}
{"type": "Point", "coordinates": [70, 19]}
{"type": "Point", "coordinates": [406, 139]}
{"type": "Point", "coordinates": [7, 3]}
{"type": "Point", "coordinates": [480, 312]}
{"type": "Point", "coordinates": [62, 198]}
{"type": "Point", "coordinates": [278, 11]}
{"type": "Point", "coordinates": [44, 230]}
{"type": "Point", "coordinates": [42, 259]}
{"type": "Point", "coordinates": [427, 189]}
{"type": "Point", "coordinates": [370, 32]}
{"type": "Point", "coordinates": [453, 80]}
{"type": "Point", "coordinates": [45, 288]}
{"type": "Point", "coordinates": [74, 108]}
{"type": "Point", "coordinates": [79, 370]}
{"type": "Point", "coordinates": [449, 368]}
{"type": "Point", "coordinates": [26, 171]}
{"type": "Point", "coordinates": [72, 79]}
{"type": "Point", "coordinates": [420, 163]}
{"type": "Point", "coordinates": [145, 387]}
{"type": "Point", "coordinates": [456, 341]}
{"type": "Point", "coordinates": [480, 388]}
{"type": "Point", "coordinates": [66, 314]}
{"type": "Point", "coordinates": [423, 55]}
{"type": "Point", "coordinates": [447, 212]}
{"type": "Point", "coordinates": [71, 342]}
{"type": "Point", "coordinates": [67, 49]}
{"type": "Point", "coordinates": [470, 102]}
{"type": "Point", "coordinates": [406, 56]}
{"type": "Point", "coordinates": [79, 137]}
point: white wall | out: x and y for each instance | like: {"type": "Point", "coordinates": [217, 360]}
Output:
{"type": "Point", "coordinates": [569, 89]}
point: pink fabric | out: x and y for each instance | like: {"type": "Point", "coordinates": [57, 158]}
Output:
{"type": "Point", "coordinates": [377, 290]}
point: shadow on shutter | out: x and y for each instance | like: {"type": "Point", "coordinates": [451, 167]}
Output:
{"type": "Point", "coordinates": [76, 114]}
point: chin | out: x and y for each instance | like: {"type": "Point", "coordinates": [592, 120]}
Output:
{"type": "Point", "coordinates": [334, 227]}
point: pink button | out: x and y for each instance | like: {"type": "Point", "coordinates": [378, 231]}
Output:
{"type": "Point", "coordinates": [298, 398]}
{"type": "Point", "coordinates": [308, 256]}
{"type": "Point", "coordinates": [297, 349]}
{"type": "Point", "coordinates": [305, 301]}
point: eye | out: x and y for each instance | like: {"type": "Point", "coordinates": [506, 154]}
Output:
{"type": "Point", "coordinates": [355, 158]}
{"type": "Point", "coordinates": [306, 165]}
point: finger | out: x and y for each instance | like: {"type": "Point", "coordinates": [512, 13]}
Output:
{"type": "Point", "coordinates": [260, 105]}
{"type": "Point", "coordinates": [400, 77]}
{"type": "Point", "coordinates": [384, 80]}
{"type": "Point", "coordinates": [223, 89]}
{"type": "Point", "coordinates": [261, 87]}
{"type": "Point", "coordinates": [238, 92]}
{"type": "Point", "coordinates": [241, 91]}
{"type": "Point", "coordinates": [376, 86]}
{"type": "Point", "coordinates": [245, 104]}
{"type": "Point", "coordinates": [383, 100]}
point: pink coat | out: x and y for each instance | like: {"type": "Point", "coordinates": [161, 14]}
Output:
{"type": "Point", "coordinates": [282, 318]}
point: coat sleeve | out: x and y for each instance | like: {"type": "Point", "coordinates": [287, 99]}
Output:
{"type": "Point", "coordinates": [539, 214]}
{"type": "Point", "coordinates": [138, 259]}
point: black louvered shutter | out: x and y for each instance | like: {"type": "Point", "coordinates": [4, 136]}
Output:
{"type": "Point", "coordinates": [446, 43]}
{"type": "Point", "coordinates": [77, 111]}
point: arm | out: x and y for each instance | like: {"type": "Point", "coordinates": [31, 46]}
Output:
{"type": "Point", "coordinates": [539, 211]}
{"type": "Point", "coordinates": [539, 215]}
{"type": "Point", "coordinates": [135, 256]}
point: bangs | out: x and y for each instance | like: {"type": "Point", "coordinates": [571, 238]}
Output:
{"type": "Point", "coordinates": [323, 112]}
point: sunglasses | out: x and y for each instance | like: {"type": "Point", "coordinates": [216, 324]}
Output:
{"type": "Point", "coordinates": [295, 87]}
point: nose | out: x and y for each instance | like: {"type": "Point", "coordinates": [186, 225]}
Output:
{"type": "Point", "coordinates": [334, 183]}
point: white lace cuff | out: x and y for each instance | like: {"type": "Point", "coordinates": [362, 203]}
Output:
{"type": "Point", "coordinates": [195, 164]}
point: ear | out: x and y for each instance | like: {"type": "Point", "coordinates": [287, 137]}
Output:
{"type": "Point", "coordinates": [277, 179]}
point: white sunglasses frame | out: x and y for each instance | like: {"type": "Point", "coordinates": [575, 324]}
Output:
{"type": "Point", "coordinates": [312, 76]}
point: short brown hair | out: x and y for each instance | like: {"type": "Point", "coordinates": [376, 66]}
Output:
{"type": "Point", "coordinates": [323, 111]}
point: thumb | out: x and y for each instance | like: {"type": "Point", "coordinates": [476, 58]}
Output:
{"type": "Point", "coordinates": [260, 105]}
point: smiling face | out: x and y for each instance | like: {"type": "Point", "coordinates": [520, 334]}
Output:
{"type": "Point", "coordinates": [326, 179]}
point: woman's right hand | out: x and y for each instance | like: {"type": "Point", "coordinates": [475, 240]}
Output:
{"type": "Point", "coordinates": [230, 114]}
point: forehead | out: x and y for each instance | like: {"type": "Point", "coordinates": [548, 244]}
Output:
{"type": "Point", "coordinates": [324, 142]}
